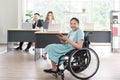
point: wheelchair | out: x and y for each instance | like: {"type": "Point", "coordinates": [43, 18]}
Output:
{"type": "Point", "coordinates": [82, 64]}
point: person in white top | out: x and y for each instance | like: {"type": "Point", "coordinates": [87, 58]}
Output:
{"type": "Point", "coordinates": [50, 17]}
{"type": "Point", "coordinates": [50, 20]}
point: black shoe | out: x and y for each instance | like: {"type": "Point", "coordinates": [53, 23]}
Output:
{"type": "Point", "coordinates": [49, 71]}
{"type": "Point", "coordinates": [26, 50]}
{"type": "Point", "coordinates": [18, 48]}
{"type": "Point", "coordinates": [44, 57]}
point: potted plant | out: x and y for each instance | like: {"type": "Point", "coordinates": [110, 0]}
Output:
{"type": "Point", "coordinates": [29, 15]}
{"type": "Point", "coordinates": [83, 10]}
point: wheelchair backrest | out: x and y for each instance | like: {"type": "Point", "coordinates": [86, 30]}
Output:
{"type": "Point", "coordinates": [86, 42]}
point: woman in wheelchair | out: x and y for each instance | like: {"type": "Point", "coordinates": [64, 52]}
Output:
{"type": "Point", "coordinates": [74, 39]}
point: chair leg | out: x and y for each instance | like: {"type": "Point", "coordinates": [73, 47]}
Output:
{"type": "Point", "coordinates": [55, 75]}
{"type": "Point", "coordinates": [62, 76]}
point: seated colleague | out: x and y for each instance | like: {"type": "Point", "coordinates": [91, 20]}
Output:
{"type": "Point", "coordinates": [49, 19]}
{"type": "Point", "coordinates": [36, 25]}
{"type": "Point", "coordinates": [37, 22]}
{"type": "Point", "coordinates": [74, 39]}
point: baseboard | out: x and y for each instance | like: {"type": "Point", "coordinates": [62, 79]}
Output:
{"type": "Point", "coordinates": [15, 43]}
{"type": "Point", "coordinates": [92, 44]}
{"type": "Point", "coordinates": [3, 43]}
{"type": "Point", "coordinates": [100, 44]}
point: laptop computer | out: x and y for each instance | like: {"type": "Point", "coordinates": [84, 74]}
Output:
{"type": "Point", "coordinates": [27, 25]}
{"type": "Point", "coordinates": [45, 24]}
{"type": "Point", "coordinates": [53, 28]}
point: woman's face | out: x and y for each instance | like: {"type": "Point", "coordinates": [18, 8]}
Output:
{"type": "Point", "coordinates": [74, 25]}
{"type": "Point", "coordinates": [50, 16]}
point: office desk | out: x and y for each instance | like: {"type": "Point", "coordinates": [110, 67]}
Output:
{"type": "Point", "coordinates": [98, 36]}
{"type": "Point", "coordinates": [43, 39]}
{"type": "Point", "coordinates": [19, 35]}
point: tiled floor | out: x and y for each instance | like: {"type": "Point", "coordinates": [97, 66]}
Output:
{"type": "Point", "coordinates": [17, 65]}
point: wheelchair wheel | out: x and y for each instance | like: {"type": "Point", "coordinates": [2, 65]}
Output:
{"type": "Point", "coordinates": [83, 63]}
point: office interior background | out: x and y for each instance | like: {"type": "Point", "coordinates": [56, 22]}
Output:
{"type": "Point", "coordinates": [97, 13]}
{"type": "Point", "coordinates": [93, 15]}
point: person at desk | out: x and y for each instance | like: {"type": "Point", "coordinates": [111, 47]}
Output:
{"type": "Point", "coordinates": [50, 18]}
{"type": "Point", "coordinates": [37, 24]}
{"type": "Point", "coordinates": [74, 39]}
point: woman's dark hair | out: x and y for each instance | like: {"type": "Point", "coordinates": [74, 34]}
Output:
{"type": "Point", "coordinates": [37, 14]}
{"type": "Point", "coordinates": [75, 19]}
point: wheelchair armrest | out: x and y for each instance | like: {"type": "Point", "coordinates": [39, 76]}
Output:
{"type": "Point", "coordinates": [86, 44]}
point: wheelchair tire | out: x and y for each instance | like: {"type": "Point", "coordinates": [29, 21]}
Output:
{"type": "Point", "coordinates": [82, 58]}
{"type": "Point", "coordinates": [81, 61]}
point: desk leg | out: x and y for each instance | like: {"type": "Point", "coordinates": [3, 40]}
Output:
{"type": "Point", "coordinates": [37, 54]}
{"type": "Point", "coordinates": [10, 46]}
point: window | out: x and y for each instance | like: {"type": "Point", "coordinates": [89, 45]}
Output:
{"type": "Point", "coordinates": [96, 12]}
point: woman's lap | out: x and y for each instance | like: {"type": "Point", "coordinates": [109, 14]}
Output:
{"type": "Point", "coordinates": [55, 51]}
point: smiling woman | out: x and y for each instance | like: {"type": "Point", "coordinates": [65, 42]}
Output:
{"type": "Point", "coordinates": [74, 40]}
{"type": "Point", "coordinates": [85, 10]}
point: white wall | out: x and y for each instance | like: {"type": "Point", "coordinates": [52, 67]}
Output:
{"type": "Point", "coordinates": [20, 13]}
{"type": "Point", "coordinates": [8, 17]}
{"type": "Point", "coordinates": [116, 4]}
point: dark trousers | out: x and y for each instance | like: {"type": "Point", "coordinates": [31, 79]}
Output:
{"type": "Point", "coordinates": [28, 46]}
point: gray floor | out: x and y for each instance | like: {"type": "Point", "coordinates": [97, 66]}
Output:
{"type": "Point", "coordinates": [17, 65]}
